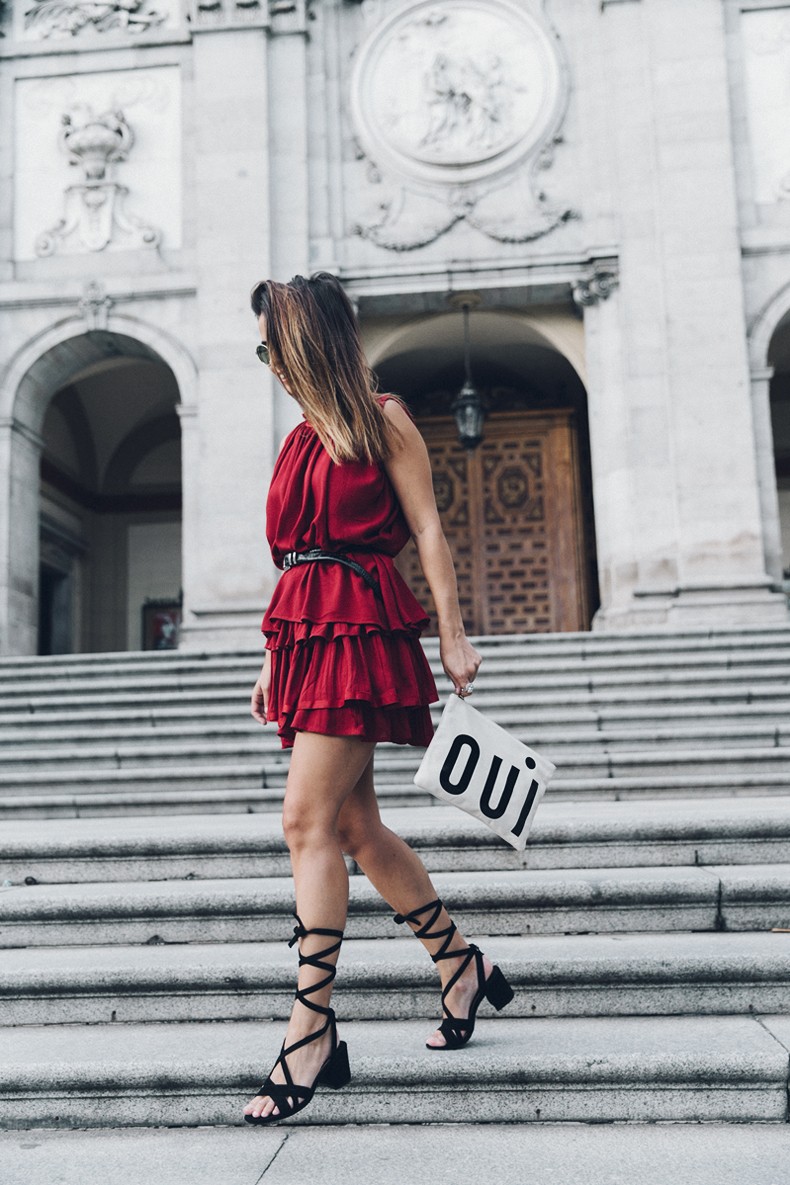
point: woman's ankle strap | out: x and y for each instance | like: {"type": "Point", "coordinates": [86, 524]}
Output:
{"type": "Point", "coordinates": [415, 913]}
{"type": "Point", "coordinates": [301, 931]}
{"type": "Point", "coordinates": [444, 936]}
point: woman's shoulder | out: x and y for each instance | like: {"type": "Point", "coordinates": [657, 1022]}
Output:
{"type": "Point", "coordinates": [293, 444]}
{"type": "Point", "coordinates": [392, 406]}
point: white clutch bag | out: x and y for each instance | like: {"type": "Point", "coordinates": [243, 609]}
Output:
{"type": "Point", "coordinates": [476, 765]}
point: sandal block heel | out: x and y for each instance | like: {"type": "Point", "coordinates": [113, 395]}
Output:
{"type": "Point", "coordinates": [457, 1030]}
{"type": "Point", "coordinates": [337, 1072]}
{"type": "Point", "coordinates": [288, 1096]}
{"type": "Point", "coordinates": [498, 990]}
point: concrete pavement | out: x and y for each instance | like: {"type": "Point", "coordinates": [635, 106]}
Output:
{"type": "Point", "coordinates": [566, 1154]}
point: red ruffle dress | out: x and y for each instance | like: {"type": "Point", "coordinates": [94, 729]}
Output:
{"type": "Point", "coordinates": [344, 662]}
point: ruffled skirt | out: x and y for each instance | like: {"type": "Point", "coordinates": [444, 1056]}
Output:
{"type": "Point", "coordinates": [349, 680]}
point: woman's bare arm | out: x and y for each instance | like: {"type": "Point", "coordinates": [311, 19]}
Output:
{"type": "Point", "coordinates": [259, 702]}
{"type": "Point", "coordinates": [409, 470]}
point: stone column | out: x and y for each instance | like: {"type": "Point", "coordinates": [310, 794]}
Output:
{"type": "Point", "coordinates": [190, 512]}
{"type": "Point", "coordinates": [766, 472]}
{"type": "Point", "coordinates": [614, 445]}
{"type": "Point", "coordinates": [722, 576]}
{"type": "Point", "coordinates": [290, 171]}
{"type": "Point", "coordinates": [229, 438]}
{"type": "Point", "coordinates": [20, 451]}
{"type": "Point", "coordinates": [696, 530]}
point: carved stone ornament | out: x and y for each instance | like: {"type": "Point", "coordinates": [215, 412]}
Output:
{"type": "Point", "coordinates": [59, 18]}
{"type": "Point", "coordinates": [95, 213]}
{"type": "Point", "coordinates": [599, 283]}
{"type": "Point", "coordinates": [277, 15]}
{"type": "Point", "coordinates": [94, 305]}
{"type": "Point", "coordinates": [456, 104]}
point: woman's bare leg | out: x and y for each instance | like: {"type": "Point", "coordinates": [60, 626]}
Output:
{"type": "Point", "coordinates": [401, 878]}
{"type": "Point", "coordinates": [323, 773]}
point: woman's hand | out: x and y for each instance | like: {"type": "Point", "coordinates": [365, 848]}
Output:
{"type": "Point", "coordinates": [460, 661]}
{"type": "Point", "coordinates": [259, 703]}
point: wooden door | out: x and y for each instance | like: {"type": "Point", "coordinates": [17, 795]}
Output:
{"type": "Point", "coordinates": [512, 515]}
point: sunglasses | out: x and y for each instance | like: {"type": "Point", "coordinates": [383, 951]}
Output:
{"type": "Point", "coordinates": [263, 353]}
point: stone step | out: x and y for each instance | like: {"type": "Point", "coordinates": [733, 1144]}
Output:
{"type": "Point", "coordinates": [105, 793]}
{"type": "Point", "coordinates": [239, 766]}
{"type": "Point", "coordinates": [741, 897]}
{"type": "Point", "coordinates": [232, 717]}
{"type": "Point", "coordinates": [587, 1070]}
{"type": "Point", "coordinates": [583, 975]}
{"type": "Point", "coordinates": [498, 673]}
{"type": "Point", "coordinates": [59, 743]}
{"type": "Point", "coordinates": [596, 834]}
{"type": "Point", "coordinates": [581, 646]}
{"type": "Point", "coordinates": [509, 690]}
{"type": "Point", "coordinates": [614, 1153]}
{"type": "Point", "coordinates": [213, 762]}
{"type": "Point", "coordinates": [503, 654]}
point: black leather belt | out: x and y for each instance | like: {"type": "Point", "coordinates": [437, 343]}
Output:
{"type": "Point", "coordinates": [316, 554]}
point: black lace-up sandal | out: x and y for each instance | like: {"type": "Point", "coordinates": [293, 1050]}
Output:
{"type": "Point", "coordinates": [456, 1030]}
{"type": "Point", "coordinates": [288, 1096]}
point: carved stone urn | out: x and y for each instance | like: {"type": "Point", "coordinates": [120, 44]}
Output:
{"type": "Point", "coordinates": [95, 216]}
{"type": "Point", "coordinates": [97, 143]}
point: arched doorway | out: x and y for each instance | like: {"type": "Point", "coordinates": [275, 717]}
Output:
{"type": "Point", "coordinates": [110, 509]}
{"type": "Point", "coordinates": [97, 536]}
{"type": "Point", "coordinates": [517, 510]}
{"type": "Point", "coordinates": [779, 360]}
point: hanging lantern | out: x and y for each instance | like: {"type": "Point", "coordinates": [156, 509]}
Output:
{"type": "Point", "coordinates": [467, 407]}
{"type": "Point", "coordinates": [469, 415]}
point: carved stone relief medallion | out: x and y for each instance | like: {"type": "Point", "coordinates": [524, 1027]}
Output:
{"type": "Point", "coordinates": [455, 90]}
{"type": "Point", "coordinates": [453, 101]}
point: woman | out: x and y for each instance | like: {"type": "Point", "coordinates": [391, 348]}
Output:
{"type": "Point", "coordinates": [344, 668]}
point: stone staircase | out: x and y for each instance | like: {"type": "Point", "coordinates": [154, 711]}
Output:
{"type": "Point", "coordinates": [622, 716]}
{"type": "Point", "coordinates": [145, 976]}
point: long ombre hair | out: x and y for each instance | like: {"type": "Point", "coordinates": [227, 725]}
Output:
{"type": "Point", "coordinates": [313, 338]}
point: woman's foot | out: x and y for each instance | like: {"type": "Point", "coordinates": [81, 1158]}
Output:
{"type": "Point", "coordinates": [304, 1065]}
{"type": "Point", "coordinates": [311, 1051]}
{"type": "Point", "coordinates": [467, 975]}
{"type": "Point", "coordinates": [460, 998]}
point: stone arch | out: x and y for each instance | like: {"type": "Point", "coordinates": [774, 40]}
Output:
{"type": "Point", "coordinates": [530, 369]}
{"type": "Point", "coordinates": [550, 330]}
{"type": "Point", "coordinates": [765, 332]}
{"type": "Point", "coordinates": [765, 325]}
{"type": "Point", "coordinates": [37, 368]}
{"type": "Point", "coordinates": [43, 366]}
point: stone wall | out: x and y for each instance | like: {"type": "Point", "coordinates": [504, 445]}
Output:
{"type": "Point", "coordinates": [612, 165]}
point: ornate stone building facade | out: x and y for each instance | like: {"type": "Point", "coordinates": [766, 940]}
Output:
{"type": "Point", "coordinates": [602, 183]}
